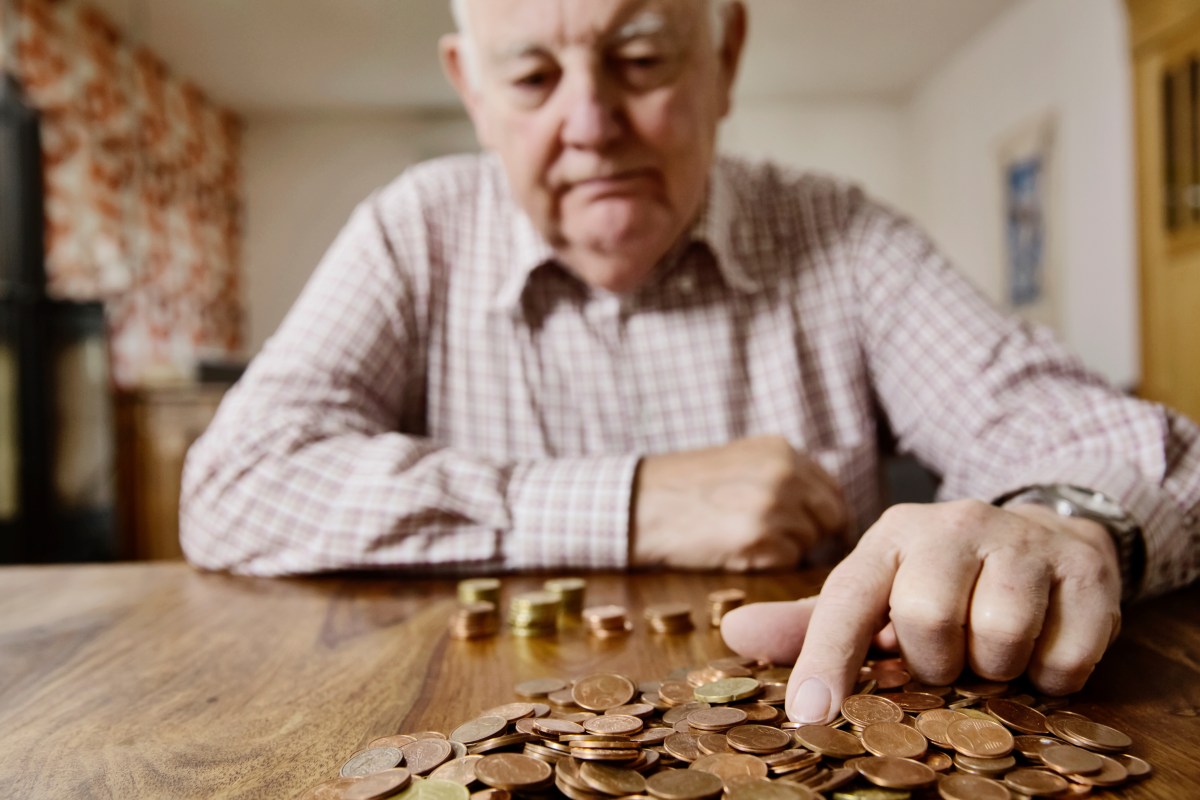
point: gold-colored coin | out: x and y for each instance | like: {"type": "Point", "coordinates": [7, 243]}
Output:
{"type": "Point", "coordinates": [371, 760]}
{"type": "Point", "coordinates": [434, 790]}
{"type": "Point", "coordinates": [603, 691]}
{"type": "Point", "coordinates": [476, 590]}
{"type": "Point", "coordinates": [684, 784]}
{"type": "Point", "coordinates": [894, 739]}
{"type": "Point", "coordinates": [962, 786]}
{"type": "Point", "coordinates": [980, 738]}
{"type": "Point", "coordinates": [867, 709]}
{"type": "Point", "coordinates": [727, 690]}
{"type": "Point", "coordinates": [721, 602]}
{"type": "Point", "coordinates": [512, 771]}
{"type": "Point", "coordinates": [895, 773]}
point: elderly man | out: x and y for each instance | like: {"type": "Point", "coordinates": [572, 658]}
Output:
{"type": "Point", "coordinates": [600, 346]}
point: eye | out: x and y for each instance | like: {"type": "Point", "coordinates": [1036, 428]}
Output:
{"type": "Point", "coordinates": [642, 62]}
{"type": "Point", "coordinates": [534, 80]}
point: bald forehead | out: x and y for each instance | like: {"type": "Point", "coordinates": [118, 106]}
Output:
{"type": "Point", "coordinates": [565, 22]}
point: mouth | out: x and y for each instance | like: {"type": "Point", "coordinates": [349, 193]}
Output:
{"type": "Point", "coordinates": [632, 181]}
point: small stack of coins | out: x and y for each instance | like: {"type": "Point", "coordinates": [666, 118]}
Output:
{"type": "Point", "coordinates": [605, 621]}
{"type": "Point", "coordinates": [723, 740]}
{"type": "Point", "coordinates": [670, 617]}
{"type": "Point", "coordinates": [721, 602]}
{"type": "Point", "coordinates": [570, 593]}
{"type": "Point", "coordinates": [479, 590]}
{"type": "Point", "coordinates": [473, 620]}
{"type": "Point", "coordinates": [534, 614]}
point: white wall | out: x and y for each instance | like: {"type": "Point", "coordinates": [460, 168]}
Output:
{"type": "Point", "coordinates": [1069, 57]}
{"type": "Point", "coordinates": [303, 174]}
{"type": "Point", "coordinates": [863, 140]}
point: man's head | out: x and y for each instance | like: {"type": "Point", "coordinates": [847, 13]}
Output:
{"type": "Point", "coordinates": [604, 114]}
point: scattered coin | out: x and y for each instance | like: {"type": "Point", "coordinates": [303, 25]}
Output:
{"type": "Point", "coordinates": [603, 691]}
{"type": "Point", "coordinates": [371, 760]}
{"type": "Point", "coordinates": [512, 771]}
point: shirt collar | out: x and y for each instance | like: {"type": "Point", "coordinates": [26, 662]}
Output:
{"type": "Point", "coordinates": [724, 226]}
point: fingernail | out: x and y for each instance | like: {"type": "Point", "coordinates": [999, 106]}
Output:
{"type": "Point", "coordinates": [811, 703]}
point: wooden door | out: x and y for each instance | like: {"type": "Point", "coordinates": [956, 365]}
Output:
{"type": "Point", "coordinates": [1166, 66]}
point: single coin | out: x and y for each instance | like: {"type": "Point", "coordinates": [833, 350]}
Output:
{"type": "Point", "coordinates": [460, 770]}
{"type": "Point", "coordinates": [478, 729]}
{"type": "Point", "coordinates": [499, 743]}
{"type": "Point", "coordinates": [867, 709]}
{"type": "Point", "coordinates": [1136, 767]}
{"type": "Point", "coordinates": [713, 743]}
{"type": "Point", "coordinates": [895, 773]}
{"type": "Point", "coordinates": [550, 726]}
{"type": "Point", "coordinates": [916, 701]}
{"type": "Point", "coordinates": [561, 697]}
{"type": "Point", "coordinates": [371, 760]}
{"type": "Point", "coordinates": [379, 785]}
{"type": "Point", "coordinates": [727, 690]}
{"type": "Point", "coordinates": [758, 739]}
{"type": "Point", "coordinates": [681, 712]}
{"type": "Point", "coordinates": [684, 784]}
{"type": "Point", "coordinates": [652, 736]}
{"type": "Point", "coordinates": [675, 693]}
{"type": "Point", "coordinates": [611, 780]}
{"type": "Point", "coordinates": [1080, 730]}
{"type": "Point", "coordinates": [976, 689]}
{"type": "Point", "coordinates": [759, 712]}
{"type": "Point", "coordinates": [980, 738]}
{"type": "Point", "coordinates": [1020, 718]}
{"type": "Point", "coordinates": [614, 725]}
{"type": "Point", "coordinates": [512, 771]}
{"type": "Point", "coordinates": [1035, 782]}
{"type": "Point", "coordinates": [684, 746]}
{"type": "Point", "coordinates": [430, 789]}
{"type": "Point", "coordinates": [938, 761]}
{"type": "Point", "coordinates": [960, 786]}
{"type": "Point", "coordinates": [829, 741]}
{"type": "Point", "coordinates": [1032, 746]}
{"type": "Point", "coordinates": [716, 719]}
{"type": "Point", "coordinates": [773, 694]}
{"type": "Point", "coordinates": [1070, 760]}
{"type": "Point", "coordinates": [513, 711]}
{"type": "Point", "coordinates": [731, 767]}
{"type": "Point", "coordinates": [764, 789]}
{"type": "Point", "coordinates": [894, 739]}
{"type": "Point", "coordinates": [603, 691]}
{"type": "Point", "coordinates": [639, 710]}
{"type": "Point", "coordinates": [398, 740]}
{"type": "Point", "coordinates": [988, 767]}
{"type": "Point", "coordinates": [933, 725]}
{"type": "Point", "coordinates": [425, 755]}
{"type": "Point", "coordinates": [539, 687]}
{"type": "Point", "coordinates": [1111, 773]}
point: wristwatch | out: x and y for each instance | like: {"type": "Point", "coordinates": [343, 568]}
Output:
{"type": "Point", "coordinates": [1074, 501]}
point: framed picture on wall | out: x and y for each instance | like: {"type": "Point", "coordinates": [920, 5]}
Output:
{"type": "Point", "coordinates": [1027, 169]}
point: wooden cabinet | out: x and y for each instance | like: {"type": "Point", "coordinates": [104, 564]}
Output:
{"type": "Point", "coordinates": [155, 429]}
{"type": "Point", "coordinates": [1165, 47]}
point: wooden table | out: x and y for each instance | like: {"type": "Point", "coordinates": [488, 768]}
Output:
{"type": "Point", "coordinates": [153, 680]}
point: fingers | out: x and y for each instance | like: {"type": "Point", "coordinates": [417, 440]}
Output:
{"type": "Point", "coordinates": [1007, 609]}
{"type": "Point", "coordinates": [773, 631]}
{"type": "Point", "coordinates": [1079, 626]}
{"type": "Point", "coordinates": [852, 607]}
{"type": "Point", "coordinates": [930, 599]}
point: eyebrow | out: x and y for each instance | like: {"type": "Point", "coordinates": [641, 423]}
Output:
{"type": "Point", "coordinates": [646, 23]}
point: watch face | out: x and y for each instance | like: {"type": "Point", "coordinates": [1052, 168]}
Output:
{"type": "Point", "coordinates": [1094, 502]}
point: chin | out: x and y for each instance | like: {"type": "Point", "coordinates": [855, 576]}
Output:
{"type": "Point", "coordinates": [612, 273]}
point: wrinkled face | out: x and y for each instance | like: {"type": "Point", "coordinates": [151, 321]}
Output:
{"type": "Point", "coordinates": [604, 114]}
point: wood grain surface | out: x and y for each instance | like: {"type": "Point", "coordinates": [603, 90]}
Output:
{"type": "Point", "coordinates": [155, 681]}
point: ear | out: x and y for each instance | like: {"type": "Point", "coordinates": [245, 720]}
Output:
{"type": "Point", "coordinates": [730, 54]}
{"type": "Point", "coordinates": [451, 49]}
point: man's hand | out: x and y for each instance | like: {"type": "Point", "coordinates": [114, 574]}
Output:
{"type": "Point", "coordinates": [749, 505]}
{"type": "Point", "coordinates": [1004, 591]}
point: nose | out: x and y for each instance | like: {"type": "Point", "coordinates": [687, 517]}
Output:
{"type": "Point", "coordinates": [592, 115]}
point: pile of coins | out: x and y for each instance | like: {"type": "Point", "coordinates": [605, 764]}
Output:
{"type": "Point", "coordinates": [570, 592]}
{"type": "Point", "coordinates": [719, 732]}
{"type": "Point", "coordinates": [534, 614]}
{"type": "Point", "coordinates": [606, 621]}
{"type": "Point", "coordinates": [721, 602]}
{"type": "Point", "coordinates": [473, 620]}
{"type": "Point", "coordinates": [670, 618]}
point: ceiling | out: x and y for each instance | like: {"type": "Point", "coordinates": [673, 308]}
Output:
{"type": "Point", "coordinates": [323, 55]}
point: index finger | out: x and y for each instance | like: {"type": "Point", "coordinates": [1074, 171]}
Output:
{"type": "Point", "coordinates": [851, 609]}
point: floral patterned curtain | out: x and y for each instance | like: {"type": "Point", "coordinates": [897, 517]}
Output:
{"type": "Point", "coordinates": [143, 194]}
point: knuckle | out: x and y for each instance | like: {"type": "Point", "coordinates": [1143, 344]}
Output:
{"type": "Point", "coordinates": [920, 613]}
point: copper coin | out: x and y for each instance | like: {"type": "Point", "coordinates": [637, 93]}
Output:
{"type": "Point", "coordinates": [379, 785]}
{"type": "Point", "coordinates": [774, 694]}
{"type": "Point", "coordinates": [681, 712]}
{"type": "Point", "coordinates": [491, 794]}
{"type": "Point", "coordinates": [611, 780]}
{"type": "Point", "coordinates": [988, 767]}
{"type": "Point", "coordinates": [894, 739]}
{"type": "Point", "coordinates": [684, 746]}
{"type": "Point", "coordinates": [731, 767]}
{"type": "Point", "coordinates": [639, 710]}
{"type": "Point", "coordinates": [556, 727]}
{"type": "Point", "coordinates": [371, 760]}
{"type": "Point", "coordinates": [1080, 730]}
{"type": "Point", "coordinates": [561, 697]}
{"type": "Point", "coordinates": [684, 784]}
{"type": "Point", "coordinates": [758, 739]}
{"type": "Point", "coordinates": [981, 688]}
{"type": "Point", "coordinates": [980, 738]}
{"type": "Point", "coordinates": [512, 711]}
{"type": "Point", "coordinates": [676, 693]}
{"type": "Point", "coordinates": [329, 790]}
{"type": "Point", "coordinates": [1070, 760]}
{"type": "Point", "coordinates": [713, 743]}
{"type": "Point", "coordinates": [938, 761]}
{"type": "Point", "coordinates": [603, 691]}
{"type": "Point", "coordinates": [829, 741]}
{"type": "Point", "coordinates": [1035, 782]}
{"type": "Point", "coordinates": [539, 687]}
{"type": "Point", "coordinates": [1111, 773]}
{"type": "Point", "coordinates": [512, 771]}
{"type": "Point", "coordinates": [499, 743]}
{"type": "Point", "coordinates": [614, 725]}
{"type": "Point", "coordinates": [832, 780]}
{"type": "Point", "coordinates": [764, 789]}
{"type": "Point", "coordinates": [425, 755]}
{"type": "Point", "coordinates": [716, 719]}
{"type": "Point", "coordinates": [1020, 718]}
{"type": "Point", "coordinates": [867, 709]}
{"type": "Point", "coordinates": [960, 786]}
{"type": "Point", "coordinates": [478, 729]}
{"type": "Point", "coordinates": [934, 723]}
{"type": "Point", "coordinates": [1136, 767]}
{"type": "Point", "coordinates": [916, 701]}
{"type": "Point", "coordinates": [759, 712]}
{"type": "Point", "coordinates": [1032, 746]}
{"type": "Point", "coordinates": [895, 773]}
{"type": "Point", "coordinates": [398, 740]}
{"type": "Point", "coordinates": [458, 770]}
{"type": "Point", "coordinates": [652, 736]}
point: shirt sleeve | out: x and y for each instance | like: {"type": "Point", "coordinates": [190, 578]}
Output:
{"type": "Point", "coordinates": [315, 460]}
{"type": "Point", "coordinates": [995, 404]}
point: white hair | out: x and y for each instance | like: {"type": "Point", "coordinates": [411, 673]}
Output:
{"type": "Point", "coordinates": [716, 12]}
